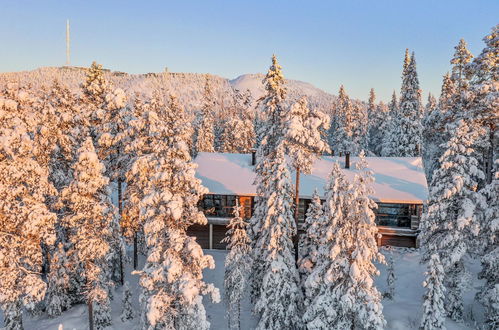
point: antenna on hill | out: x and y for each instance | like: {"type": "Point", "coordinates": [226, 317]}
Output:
{"type": "Point", "coordinates": [67, 43]}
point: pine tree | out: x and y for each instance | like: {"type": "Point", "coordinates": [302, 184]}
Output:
{"type": "Point", "coordinates": [269, 134]}
{"type": "Point", "coordinates": [449, 224]}
{"type": "Point", "coordinates": [321, 304]}
{"type": "Point", "coordinates": [171, 280]}
{"type": "Point", "coordinates": [237, 266]}
{"type": "Point", "coordinates": [377, 124]}
{"type": "Point", "coordinates": [89, 222]}
{"type": "Point", "coordinates": [489, 293]}
{"type": "Point", "coordinates": [238, 134]}
{"type": "Point", "coordinates": [390, 141]}
{"type": "Point", "coordinates": [310, 241]}
{"type": "Point", "coordinates": [304, 144]}
{"type": "Point", "coordinates": [408, 123]}
{"type": "Point", "coordinates": [483, 99]}
{"type": "Point", "coordinates": [434, 298]}
{"type": "Point", "coordinates": [25, 221]}
{"type": "Point", "coordinates": [205, 137]}
{"type": "Point", "coordinates": [343, 129]}
{"type": "Point", "coordinates": [127, 311]}
{"type": "Point", "coordinates": [279, 299]}
{"type": "Point", "coordinates": [347, 298]}
{"type": "Point", "coordinates": [462, 57]}
{"type": "Point", "coordinates": [57, 298]}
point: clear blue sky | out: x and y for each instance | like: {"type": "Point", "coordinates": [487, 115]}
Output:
{"type": "Point", "coordinates": [356, 43]}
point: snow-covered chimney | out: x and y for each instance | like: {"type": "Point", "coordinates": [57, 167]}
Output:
{"type": "Point", "coordinates": [332, 153]}
{"type": "Point", "coordinates": [347, 160]}
{"type": "Point", "coordinates": [253, 156]}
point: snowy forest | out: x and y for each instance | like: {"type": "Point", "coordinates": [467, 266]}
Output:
{"type": "Point", "coordinates": [98, 190]}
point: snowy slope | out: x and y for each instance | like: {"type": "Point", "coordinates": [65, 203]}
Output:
{"type": "Point", "coordinates": [295, 89]}
{"type": "Point", "coordinates": [401, 313]}
{"type": "Point", "coordinates": [188, 87]}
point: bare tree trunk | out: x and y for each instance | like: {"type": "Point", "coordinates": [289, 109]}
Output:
{"type": "Point", "coordinates": [135, 256]}
{"type": "Point", "coordinates": [297, 212]}
{"type": "Point", "coordinates": [90, 314]}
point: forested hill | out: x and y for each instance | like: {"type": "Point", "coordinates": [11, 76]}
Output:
{"type": "Point", "coordinates": [188, 87]}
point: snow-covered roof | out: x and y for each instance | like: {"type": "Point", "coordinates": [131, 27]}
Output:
{"type": "Point", "coordinates": [397, 179]}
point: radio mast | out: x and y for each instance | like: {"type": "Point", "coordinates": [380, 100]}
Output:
{"type": "Point", "coordinates": [67, 44]}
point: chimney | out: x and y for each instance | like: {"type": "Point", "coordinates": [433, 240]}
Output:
{"type": "Point", "coordinates": [332, 153]}
{"type": "Point", "coordinates": [347, 160]}
{"type": "Point", "coordinates": [253, 156]}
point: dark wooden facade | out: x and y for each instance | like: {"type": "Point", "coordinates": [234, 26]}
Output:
{"type": "Point", "coordinates": [398, 223]}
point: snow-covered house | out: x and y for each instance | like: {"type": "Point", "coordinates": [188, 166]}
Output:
{"type": "Point", "coordinates": [399, 191]}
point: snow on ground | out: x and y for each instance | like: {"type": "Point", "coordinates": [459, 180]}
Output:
{"type": "Point", "coordinates": [403, 312]}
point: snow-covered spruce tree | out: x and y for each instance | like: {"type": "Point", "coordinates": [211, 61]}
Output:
{"type": "Point", "coordinates": [89, 220]}
{"type": "Point", "coordinates": [449, 225]}
{"type": "Point", "coordinates": [142, 130]}
{"type": "Point", "coordinates": [320, 303]}
{"type": "Point", "coordinates": [309, 242]}
{"type": "Point", "coordinates": [126, 311]}
{"type": "Point", "coordinates": [25, 222]}
{"type": "Point", "coordinates": [347, 298]}
{"type": "Point", "coordinates": [483, 100]}
{"type": "Point", "coordinates": [377, 124]}
{"type": "Point", "coordinates": [172, 279]}
{"type": "Point", "coordinates": [461, 58]}
{"type": "Point", "coordinates": [239, 132]}
{"type": "Point", "coordinates": [408, 123]}
{"type": "Point", "coordinates": [434, 298]}
{"type": "Point", "coordinates": [57, 298]}
{"type": "Point", "coordinates": [237, 266]}
{"type": "Point", "coordinates": [489, 293]}
{"type": "Point", "coordinates": [304, 141]}
{"type": "Point", "coordinates": [270, 134]}
{"type": "Point", "coordinates": [390, 279]}
{"type": "Point", "coordinates": [390, 141]}
{"type": "Point", "coordinates": [430, 136]}
{"type": "Point", "coordinates": [280, 298]}
{"type": "Point", "coordinates": [205, 137]}
{"type": "Point", "coordinates": [342, 129]}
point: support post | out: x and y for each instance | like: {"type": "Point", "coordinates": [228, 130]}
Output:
{"type": "Point", "coordinates": [210, 240]}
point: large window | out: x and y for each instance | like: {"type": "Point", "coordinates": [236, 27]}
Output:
{"type": "Point", "coordinates": [223, 205]}
{"type": "Point", "coordinates": [396, 215]}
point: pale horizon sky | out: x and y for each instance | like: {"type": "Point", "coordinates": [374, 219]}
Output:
{"type": "Point", "coordinates": [359, 44]}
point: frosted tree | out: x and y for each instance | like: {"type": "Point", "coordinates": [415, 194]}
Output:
{"type": "Point", "coordinates": [25, 222]}
{"type": "Point", "coordinates": [434, 298]}
{"type": "Point", "coordinates": [310, 241]}
{"type": "Point", "coordinates": [390, 140]}
{"type": "Point", "coordinates": [172, 279]}
{"type": "Point", "coordinates": [342, 129]}
{"type": "Point", "coordinates": [431, 135]}
{"type": "Point", "coordinates": [377, 124]}
{"type": "Point", "coordinates": [489, 293]}
{"type": "Point", "coordinates": [270, 134]}
{"type": "Point", "coordinates": [461, 58]}
{"type": "Point", "coordinates": [320, 303]}
{"type": "Point", "coordinates": [483, 100]}
{"type": "Point", "coordinates": [279, 299]}
{"type": "Point", "coordinates": [347, 297]}
{"type": "Point", "coordinates": [449, 224]}
{"type": "Point", "coordinates": [57, 298]}
{"type": "Point", "coordinates": [408, 123]}
{"type": "Point", "coordinates": [390, 279]}
{"type": "Point", "coordinates": [143, 129]}
{"type": "Point", "coordinates": [205, 137]}
{"type": "Point", "coordinates": [237, 266]}
{"type": "Point", "coordinates": [89, 220]}
{"type": "Point", "coordinates": [239, 131]}
{"type": "Point", "coordinates": [126, 311]}
{"type": "Point", "coordinates": [303, 134]}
